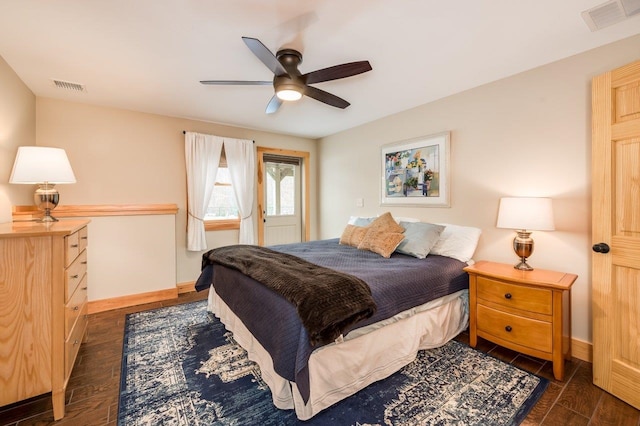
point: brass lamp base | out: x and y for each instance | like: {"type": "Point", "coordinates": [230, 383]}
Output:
{"type": "Point", "coordinates": [46, 198]}
{"type": "Point", "coordinates": [523, 265]}
{"type": "Point", "coordinates": [523, 246]}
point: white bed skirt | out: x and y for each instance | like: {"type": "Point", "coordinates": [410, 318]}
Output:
{"type": "Point", "coordinates": [364, 356]}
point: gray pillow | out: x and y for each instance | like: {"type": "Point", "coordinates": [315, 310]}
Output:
{"type": "Point", "coordinates": [419, 238]}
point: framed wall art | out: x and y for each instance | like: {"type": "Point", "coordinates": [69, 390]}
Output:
{"type": "Point", "coordinates": [416, 172]}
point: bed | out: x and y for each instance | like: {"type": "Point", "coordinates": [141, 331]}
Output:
{"type": "Point", "coordinates": [420, 302]}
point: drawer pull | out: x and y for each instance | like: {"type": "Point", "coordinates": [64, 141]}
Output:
{"type": "Point", "coordinates": [84, 262]}
{"type": "Point", "coordinates": [75, 342]}
{"type": "Point", "coordinates": [74, 245]}
{"type": "Point", "coordinates": [507, 296]}
{"type": "Point", "coordinates": [84, 238]}
{"type": "Point", "coordinates": [508, 329]}
{"type": "Point", "coordinates": [84, 288]}
{"type": "Point", "coordinates": [75, 308]}
{"type": "Point", "coordinates": [74, 276]}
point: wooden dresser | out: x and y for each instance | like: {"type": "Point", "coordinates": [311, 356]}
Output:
{"type": "Point", "coordinates": [527, 311]}
{"type": "Point", "coordinates": [43, 307]}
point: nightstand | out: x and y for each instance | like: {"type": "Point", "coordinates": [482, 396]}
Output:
{"type": "Point", "coordinates": [527, 311]}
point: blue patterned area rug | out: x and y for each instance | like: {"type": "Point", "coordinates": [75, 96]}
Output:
{"type": "Point", "coordinates": [181, 367]}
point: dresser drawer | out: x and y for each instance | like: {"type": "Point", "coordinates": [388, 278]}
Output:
{"type": "Point", "coordinates": [75, 307]}
{"type": "Point", "coordinates": [83, 238]}
{"type": "Point", "coordinates": [72, 247]}
{"type": "Point", "coordinates": [512, 328]}
{"type": "Point", "coordinates": [515, 296]}
{"type": "Point", "coordinates": [72, 344]}
{"type": "Point", "coordinates": [74, 274]}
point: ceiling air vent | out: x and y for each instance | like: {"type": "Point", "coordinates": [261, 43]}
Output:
{"type": "Point", "coordinates": [610, 13]}
{"type": "Point", "coordinates": [60, 84]}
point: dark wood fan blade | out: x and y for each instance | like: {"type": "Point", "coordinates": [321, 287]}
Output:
{"type": "Point", "coordinates": [237, 82]}
{"type": "Point", "coordinates": [325, 97]}
{"type": "Point", "coordinates": [273, 105]}
{"type": "Point", "coordinates": [265, 55]}
{"type": "Point", "coordinates": [337, 71]}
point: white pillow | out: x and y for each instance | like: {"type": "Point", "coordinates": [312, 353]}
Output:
{"type": "Point", "coordinates": [458, 242]}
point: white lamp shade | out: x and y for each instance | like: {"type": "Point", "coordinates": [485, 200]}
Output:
{"type": "Point", "coordinates": [39, 164]}
{"type": "Point", "coordinates": [534, 214]}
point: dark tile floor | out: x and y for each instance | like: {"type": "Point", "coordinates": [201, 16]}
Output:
{"type": "Point", "coordinates": [92, 394]}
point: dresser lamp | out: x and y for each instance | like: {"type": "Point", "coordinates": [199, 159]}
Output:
{"type": "Point", "coordinates": [525, 214]}
{"type": "Point", "coordinates": [45, 167]}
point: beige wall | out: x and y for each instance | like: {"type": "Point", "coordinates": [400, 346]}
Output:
{"type": "Point", "coordinates": [126, 157]}
{"type": "Point", "coordinates": [17, 128]}
{"type": "Point", "coordinates": [131, 255]}
{"type": "Point", "coordinates": [528, 135]}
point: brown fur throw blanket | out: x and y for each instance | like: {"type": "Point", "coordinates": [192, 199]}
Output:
{"type": "Point", "coordinates": [327, 301]}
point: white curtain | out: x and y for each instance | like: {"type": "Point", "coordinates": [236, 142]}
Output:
{"type": "Point", "coordinates": [241, 163]}
{"type": "Point", "coordinates": [202, 154]}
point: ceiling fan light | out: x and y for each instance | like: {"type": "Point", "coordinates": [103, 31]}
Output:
{"type": "Point", "coordinates": [288, 94]}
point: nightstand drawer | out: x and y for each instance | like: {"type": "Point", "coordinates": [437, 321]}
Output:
{"type": "Point", "coordinates": [515, 296]}
{"type": "Point", "coordinates": [512, 328]}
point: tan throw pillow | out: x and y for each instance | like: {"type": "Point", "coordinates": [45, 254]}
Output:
{"type": "Point", "coordinates": [381, 242]}
{"type": "Point", "coordinates": [353, 235]}
{"type": "Point", "coordinates": [386, 223]}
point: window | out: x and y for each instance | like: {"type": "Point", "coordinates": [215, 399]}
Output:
{"type": "Point", "coordinates": [222, 212]}
{"type": "Point", "coordinates": [280, 199]}
{"type": "Point", "coordinates": [223, 201]}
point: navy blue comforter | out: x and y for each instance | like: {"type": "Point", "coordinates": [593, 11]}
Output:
{"type": "Point", "coordinates": [397, 284]}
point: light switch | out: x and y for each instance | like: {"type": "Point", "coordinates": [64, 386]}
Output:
{"type": "Point", "coordinates": [359, 202]}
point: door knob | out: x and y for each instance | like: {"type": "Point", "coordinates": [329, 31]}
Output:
{"type": "Point", "coordinates": [601, 248]}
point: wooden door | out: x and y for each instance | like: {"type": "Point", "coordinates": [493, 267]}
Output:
{"type": "Point", "coordinates": [616, 226]}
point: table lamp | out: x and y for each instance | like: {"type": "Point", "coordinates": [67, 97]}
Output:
{"type": "Point", "coordinates": [525, 214]}
{"type": "Point", "coordinates": [45, 167]}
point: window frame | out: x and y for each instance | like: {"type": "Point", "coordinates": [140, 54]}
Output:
{"type": "Point", "coordinates": [221, 224]}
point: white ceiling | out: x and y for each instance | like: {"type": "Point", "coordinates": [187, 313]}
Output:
{"type": "Point", "coordinates": [149, 55]}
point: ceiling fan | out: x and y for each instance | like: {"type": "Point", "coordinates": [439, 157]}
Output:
{"type": "Point", "coordinates": [289, 83]}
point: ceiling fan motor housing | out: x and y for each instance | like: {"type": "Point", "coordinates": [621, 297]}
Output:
{"type": "Point", "coordinates": [290, 59]}
{"type": "Point", "coordinates": [293, 82]}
